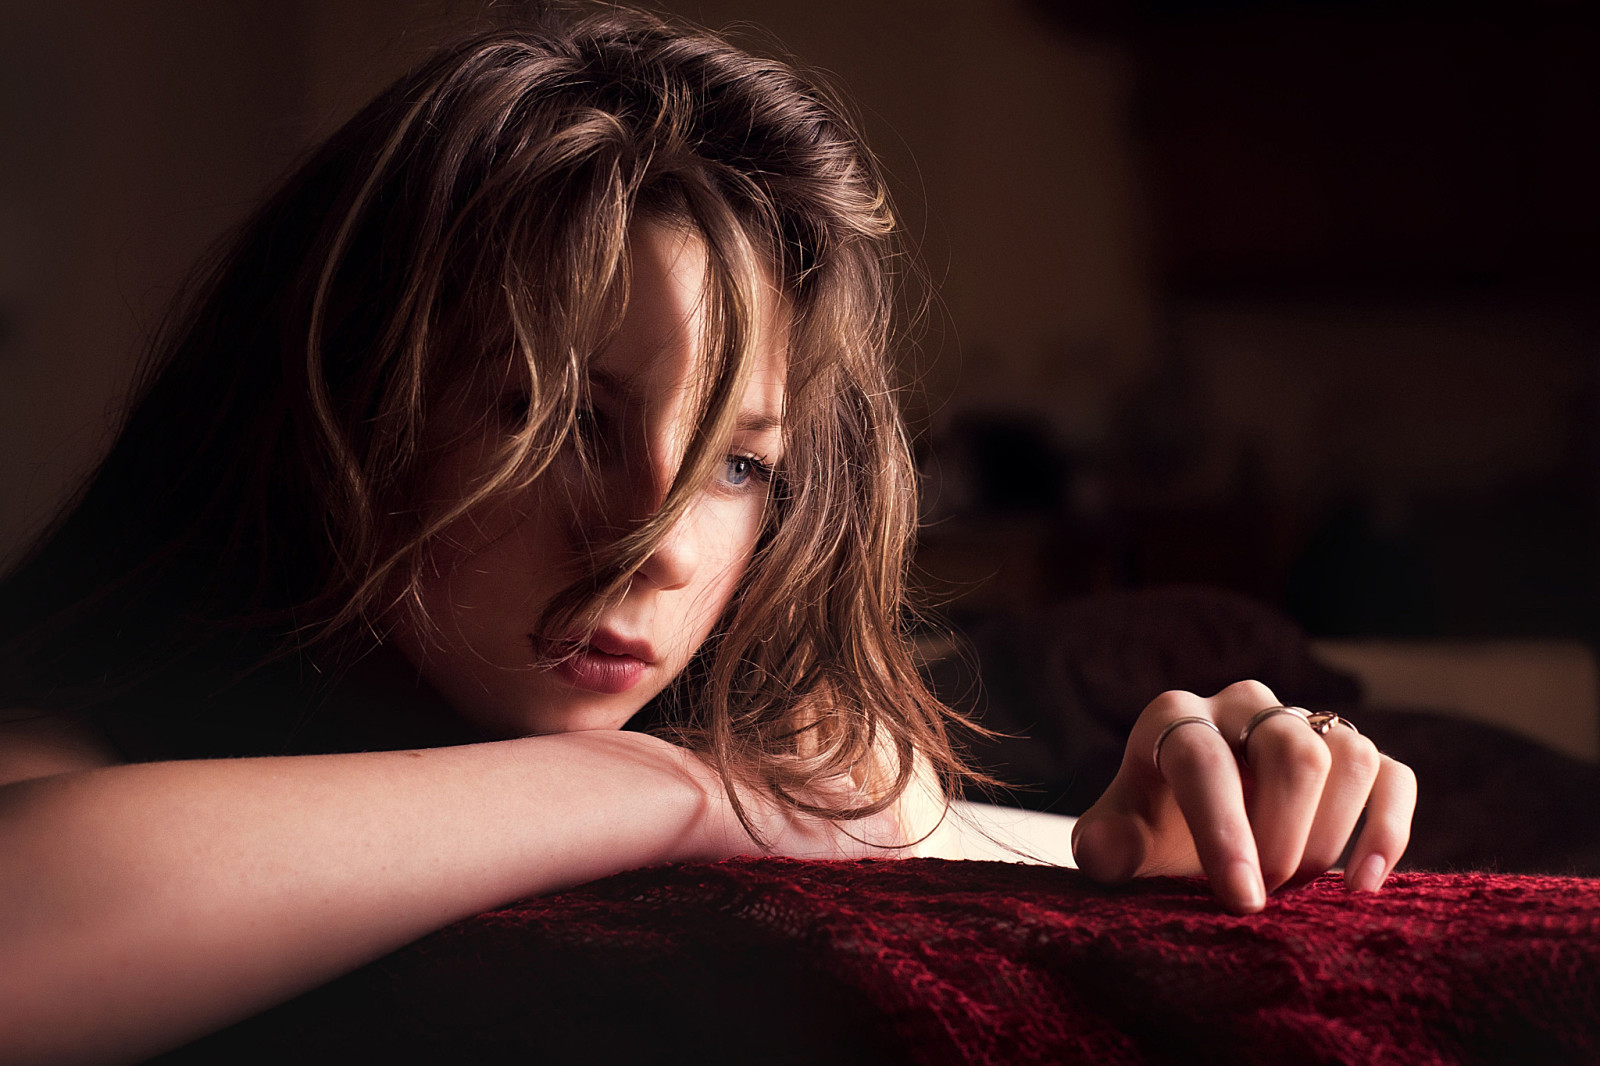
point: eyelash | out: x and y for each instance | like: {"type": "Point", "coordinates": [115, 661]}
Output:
{"type": "Point", "coordinates": [760, 469]}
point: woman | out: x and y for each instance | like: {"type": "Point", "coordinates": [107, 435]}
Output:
{"type": "Point", "coordinates": [549, 396]}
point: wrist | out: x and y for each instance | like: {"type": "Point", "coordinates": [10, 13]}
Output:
{"type": "Point", "coordinates": [664, 796]}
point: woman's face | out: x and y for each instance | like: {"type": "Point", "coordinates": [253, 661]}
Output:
{"type": "Point", "coordinates": [492, 574]}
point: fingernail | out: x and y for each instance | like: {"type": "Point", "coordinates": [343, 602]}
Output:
{"type": "Point", "coordinates": [1243, 883]}
{"type": "Point", "coordinates": [1368, 877]}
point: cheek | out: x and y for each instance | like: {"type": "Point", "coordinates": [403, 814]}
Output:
{"type": "Point", "coordinates": [490, 571]}
{"type": "Point", "coordinates": [475, 557]}
{"type": "Point", "coordinates": [732, 544]}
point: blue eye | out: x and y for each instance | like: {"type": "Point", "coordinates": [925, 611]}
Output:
{"type": "Point", "coordinates": [741, 468]}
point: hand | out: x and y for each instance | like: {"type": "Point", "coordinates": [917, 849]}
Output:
{"type": "Point", "coordinates": [1280, 820]}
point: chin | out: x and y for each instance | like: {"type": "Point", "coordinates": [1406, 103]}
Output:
{"type": "Point", "coordinates": [543, 722]}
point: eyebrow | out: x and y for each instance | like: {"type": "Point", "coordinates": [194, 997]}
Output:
{"type": "Point", "coordinates": [758, 422]}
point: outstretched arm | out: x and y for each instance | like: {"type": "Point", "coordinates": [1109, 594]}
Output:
{"type": "Point", "coordinates": [1252, 821]}
{"type": "Point", "coordinates": [145, 905]}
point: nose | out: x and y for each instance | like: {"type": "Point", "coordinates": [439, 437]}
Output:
{"type": "Point", "coordinates": [676, 558]}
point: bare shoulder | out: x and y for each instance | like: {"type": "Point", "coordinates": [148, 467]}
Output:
{"type": "Point", "coordinates": [38, 744]}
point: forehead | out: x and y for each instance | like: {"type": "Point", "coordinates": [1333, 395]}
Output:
{"type": "Point", "coordinates": [659, 347]}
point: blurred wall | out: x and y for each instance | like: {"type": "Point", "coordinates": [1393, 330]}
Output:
{"type": "Point", "coordinates": [130, 136]}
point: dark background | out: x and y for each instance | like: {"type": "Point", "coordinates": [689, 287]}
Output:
{"type": "Point", "coordinates": [1297, 298]}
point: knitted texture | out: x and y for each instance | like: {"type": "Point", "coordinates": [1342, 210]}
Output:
{"type": "Point", "coordinates": [932, 961]}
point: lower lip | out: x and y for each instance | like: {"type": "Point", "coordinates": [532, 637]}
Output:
{"type": "Point", "coordinates": [595, 671]}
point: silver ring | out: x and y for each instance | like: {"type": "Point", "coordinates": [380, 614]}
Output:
{"type": "Point", "coordinates": [1155, 755]}
{"type": "Point", "coordinates": [1261, 716]}
{"type": "Point", "coordinates": [1324, 721]}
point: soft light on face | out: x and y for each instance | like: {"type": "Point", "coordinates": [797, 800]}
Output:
{"type": "Point", "coordinates": [492, 574]}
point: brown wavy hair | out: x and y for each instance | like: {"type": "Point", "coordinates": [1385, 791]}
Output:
{"type": "Point", "coordinates": [262, 511]}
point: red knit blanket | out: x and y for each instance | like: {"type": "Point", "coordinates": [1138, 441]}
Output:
{"type": "Point", "coordinates": [929, 961]}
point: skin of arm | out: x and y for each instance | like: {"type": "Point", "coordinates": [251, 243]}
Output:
{"type": "Point", "coordinates": [145, 905]}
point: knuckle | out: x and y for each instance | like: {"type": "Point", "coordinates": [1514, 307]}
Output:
{"type": "Point", "coordinates": [1305, 758]}
{"type": "Point", "coordinates": [1362, 756]}
{"type": "Point", "coordinates": [1171, 704]}
{"type": "Point", "coordinates": [1388, 828]}
{"type": "Point", "coordinates": [1390, 834]}
{"type": "Point", "coordinates": [1254, 691]}
{"type": "Point", "coordinates": [1403, 773]}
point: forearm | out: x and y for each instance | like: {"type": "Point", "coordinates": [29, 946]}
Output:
{"type": "Point", "coordinates": [144, 905]}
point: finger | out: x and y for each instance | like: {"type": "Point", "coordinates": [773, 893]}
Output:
{"type": "Point", "coordinates": [1135, 828]}
{"type": "Point", "coordinates": [1356, 763]}
{"type": "Point", "coordinates": [1388, 830]}
{"type": "Point", "coordinates": [1199, 767]}
{"type": "Point", "coordinates": [1109, 843]}
{"type": "Point", "coordinates": [1290, 765]}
